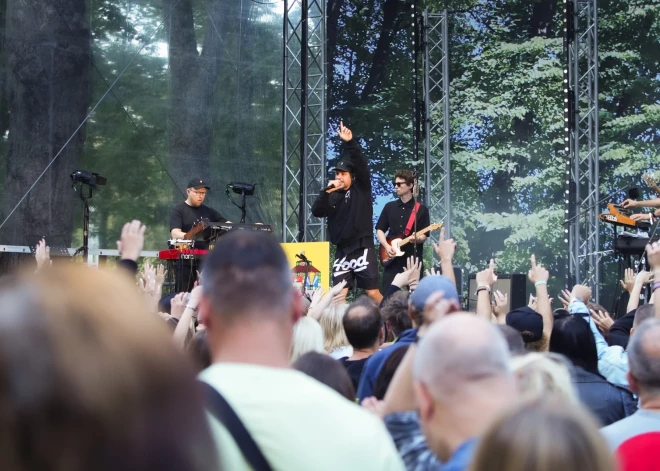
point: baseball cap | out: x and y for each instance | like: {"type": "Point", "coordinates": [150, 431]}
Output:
{"type": "Point", "coordinates": [198, 183]}
{"type": "Point", "coordinates": [345, 167]}
{"type": "Point", "coordinates": [432, 284]}
{"type": "Point", "coordinates": [526, 321]}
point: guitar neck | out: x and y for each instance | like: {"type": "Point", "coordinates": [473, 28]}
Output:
{"type": "Point", "coordinates": [411, 237]}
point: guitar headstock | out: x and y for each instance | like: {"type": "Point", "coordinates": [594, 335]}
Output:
{"type": "Point", "coordinates": [435, 226]}
{"type": "Point", "coordinates": [651, 181]}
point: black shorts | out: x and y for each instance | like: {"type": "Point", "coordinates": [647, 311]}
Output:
{"type": "Point", "coordinates": [361, 264]}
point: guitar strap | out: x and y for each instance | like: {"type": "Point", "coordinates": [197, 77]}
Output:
{"type": "Point", "coordinates": [411, 221]}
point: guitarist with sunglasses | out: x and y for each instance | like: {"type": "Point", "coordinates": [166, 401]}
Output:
{"type": "Point", "coordinates": [398, 220]}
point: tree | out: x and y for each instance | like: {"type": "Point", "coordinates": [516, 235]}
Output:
{"type": "Point", "coordinates": [48, 92]}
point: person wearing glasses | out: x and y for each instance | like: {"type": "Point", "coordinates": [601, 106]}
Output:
{"type": "Point", "coordinates": [184, 216]}
{"type": "Point", "coordinates": [397, 220]}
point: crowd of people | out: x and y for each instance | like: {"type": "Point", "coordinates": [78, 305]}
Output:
{"type": "Point", "coordinates": [241, 371]}
{"type": "Point", "coordinates": [99, 371]}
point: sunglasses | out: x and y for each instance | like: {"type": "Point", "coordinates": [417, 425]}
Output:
{"type": "Point", "coordinates": [398, 184]}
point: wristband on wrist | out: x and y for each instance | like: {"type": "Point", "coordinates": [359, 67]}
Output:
{"type": "Point", "coordinates": [482, 288]}
{"type": "Point", "coordinates": [193, 308]}
{"type": "Point", "coordinates": [540, 282]}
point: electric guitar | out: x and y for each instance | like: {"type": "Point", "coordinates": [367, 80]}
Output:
{"type": "Point", "coordinates": [397, 243]}
{"type": "Point", "coordinates": [650, 181]}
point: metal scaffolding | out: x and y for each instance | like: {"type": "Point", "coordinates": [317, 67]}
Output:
{"type": "Point", "coordinates": [582, 103]}
{"type": "Point", "coordinates": [437, 159]}
{"type": "Point", "coordinates": [304, 120]}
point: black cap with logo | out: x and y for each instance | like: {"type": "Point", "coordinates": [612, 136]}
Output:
{"type": "Point", "coordinates": [198, 183]}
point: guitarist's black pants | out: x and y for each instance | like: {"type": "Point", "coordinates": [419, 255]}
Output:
{"type": "Point", "coordinates": [397, 265]}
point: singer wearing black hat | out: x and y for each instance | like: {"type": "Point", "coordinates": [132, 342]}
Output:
{"type": "Point", "coordinates": [346, 203]}
{"type": "Point", "coordinates": [184, 216]}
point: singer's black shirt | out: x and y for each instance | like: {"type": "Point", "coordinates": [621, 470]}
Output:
{"type": "Point", "coordinates": [350, 212]}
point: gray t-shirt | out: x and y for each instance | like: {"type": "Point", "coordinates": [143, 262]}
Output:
{"type": "Point", "coordinates": [642, 421]}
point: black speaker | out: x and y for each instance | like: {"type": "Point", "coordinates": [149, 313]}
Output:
{"type": "Point", "coordinates": [514, 285]}
{"type": "Point", "coordinates": [458, 274]}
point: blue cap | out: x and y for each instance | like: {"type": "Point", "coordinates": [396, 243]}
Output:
{"type": "Point", "coordinates": [432, 284]}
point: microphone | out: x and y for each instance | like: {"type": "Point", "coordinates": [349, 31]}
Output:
{"type": "Point", "coordinates": [329, 187]}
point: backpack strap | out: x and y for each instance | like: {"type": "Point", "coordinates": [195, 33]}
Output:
{"type": "Point", "coordinates": [218, 406]}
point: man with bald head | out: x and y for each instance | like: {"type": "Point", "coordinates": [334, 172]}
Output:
{"type": "Point", "coordinates": [462, 381]}
{"type": "Point", "coordinates": [639, 434]}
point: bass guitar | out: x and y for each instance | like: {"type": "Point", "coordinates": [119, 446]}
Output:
{"type": "Point", "coordinates": [397, 243]}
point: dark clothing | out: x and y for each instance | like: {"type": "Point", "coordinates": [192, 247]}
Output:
{"type": "Point", "coordinates": [609, 403]}
{"type": "Point", "coordinates": [376, 361]}
{"type": "Point", "coordinates": [393, 221]}
{"type": "Point", "coordinates": [184, 217]}
{"type": "Point", "coordinates": [354, 369]}
{"type": "Point", "coordinates": [360, 264]}
{"type": "Point", "coordinates": [620, 330]}
{"type": "Point", "coordinates": [128, 266]}
{"type": "Point", "coordinates": [349, 212]}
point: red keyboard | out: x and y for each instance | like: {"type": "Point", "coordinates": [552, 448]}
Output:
{"type": "Point", "coordinates": [181, 254]}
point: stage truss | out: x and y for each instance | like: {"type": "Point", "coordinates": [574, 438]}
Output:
{"type": "Point", "coordinates": [437, 158]}
{"type": "Point", "coordinates": [581, 107]}
{"type": "Point", "coordinates": [304, 119]}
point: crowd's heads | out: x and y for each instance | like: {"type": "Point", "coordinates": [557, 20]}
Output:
{"type": "Point", "coordinates": [386, 374]}
{"type": "Point", "coordinates": [539, 374]}
{"type": "Point", "coordinates": [546, 434]}
{"type": "Point", "coordinates": [332, 322]}
{"type": "Point", "coordinates": [90, 380]}
{"type": "Point", "coordinates": [427, 286]}
{"type": "Point", "coordinates": [363, 324]}
{"type": "Point", "coordinates": [572, 337]}
{"type": "Point", "coordinates": [644, 359]}
{"type": "Point", "coordinates": [307, 337]}
{"type": "Point", "coordinates": [530, 324]}
{"type": "Point", "coordinates": [461, 373]}
{"type": "Point", "coordinates": [246, 279]}
{"type": "Point", "coordinates": [513, 339]}
{"type": "Point", "coordinates": [395, 314]}
{"type": "Point", "coordinates": [642, 314]}
{"type": "Point", "coordinates": [328, 371]}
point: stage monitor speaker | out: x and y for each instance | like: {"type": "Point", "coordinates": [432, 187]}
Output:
{"type": "Point", "coordinates": [514, 285]}
{"type": "Point", "coordinates": [458, 275]}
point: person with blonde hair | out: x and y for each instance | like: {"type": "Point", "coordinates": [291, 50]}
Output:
{"type": "Point", "coordinates": [539, 374]}
{"type": "Point", "coordinates": [89, 379]}
{"type": "Point", "coordinates": [544, 434]}
{"type": "Point", "coordinates": [307, 337]}
{"type": "Point", "coordinates": [335, 342]}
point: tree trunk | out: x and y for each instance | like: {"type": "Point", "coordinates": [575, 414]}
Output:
{"type": "Point", "coordinates": [48, 84]}
{"type": "Point", "coordinates": [193, 77]}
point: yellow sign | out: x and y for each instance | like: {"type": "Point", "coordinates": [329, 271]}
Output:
{"type": "Point", "coordinates": [316, 272]}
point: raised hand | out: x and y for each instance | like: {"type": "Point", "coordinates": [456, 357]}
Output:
{"type": "Point", "coordinates": [537, 272]}
{"type": "Point", "coordinates": [581, 292]}
{"type": "Point", "coordinates": [178, 305]}
{"type": "Point", "coordinates": [161, 273]}
{"type": "Point", "coordinates": [602, 319]}
{"type": "Point", "coordinates": [565, 298]}
{"type": "Point", "coordinates": [406, 276]}
{"type": "Point", "coordinates": [42, 254]}
{"type": "Point", "coordinates": [532, 304]}
{"type": "Point", "coordinates": [344, 133]}
{"type": "Point", "coordinates": [628, 279]}
{"type": "Point", "coordinates": [414, 265]}
{"type": "Point", "coordinates": [132, 240]}
{"type": "Point", "coordinates": [445, 248]}
{"type": "Point", "coordinates": [643, 277]}
{"type": "Point", "coordinates": [431, 271]}
{"type": "Point", "coordinates": [336, 289]}
{"type": "Point", "coordinates": [487, 277]}
{"type": "Point", "coordinates": [501, 300]}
